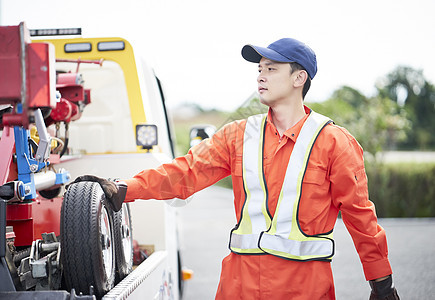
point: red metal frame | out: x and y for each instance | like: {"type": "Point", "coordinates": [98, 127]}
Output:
{"type": "Point", "coordinates": [41, 80]}
{"type": "Point", "coordinates": [11, 62]}
{"type": "Point", "coordinates": [30, 220]}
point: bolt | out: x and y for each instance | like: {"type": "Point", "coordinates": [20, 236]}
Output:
{"type": "Point", "coordinates": [27, 189]}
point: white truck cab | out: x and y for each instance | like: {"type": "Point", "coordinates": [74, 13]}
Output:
{"type": "Point", "coordinates": [124, 130]}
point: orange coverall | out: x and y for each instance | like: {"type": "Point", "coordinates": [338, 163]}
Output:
{"type": "Point", "coordinates": [335, 180]}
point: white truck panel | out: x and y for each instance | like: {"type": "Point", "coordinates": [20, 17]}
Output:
{"type": "Point", "coordinates": [145, 280]}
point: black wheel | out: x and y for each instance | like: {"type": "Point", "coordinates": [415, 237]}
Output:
{"type": "Point", "coordinates": [50, 194]}
{"type": "Point", "coordinates": [87, 255]}
{"type": "Point", "coordinates": [122, 231]}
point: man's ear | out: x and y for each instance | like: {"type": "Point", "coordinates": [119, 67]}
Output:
{"type": "Point", "coordinates": [301, 78]}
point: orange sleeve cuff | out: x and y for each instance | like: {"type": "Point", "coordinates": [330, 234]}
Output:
{"type": "Point", "coordinates": [377, 269]}
{"type": "Point", "coordinates": [133, 190]}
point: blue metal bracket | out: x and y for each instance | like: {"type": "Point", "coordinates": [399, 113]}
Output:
{"type": "Point", "coordinates": [62, 177]}
{"type": "Point", "coordinates": [26, 164]}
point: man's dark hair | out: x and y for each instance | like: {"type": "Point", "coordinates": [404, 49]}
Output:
{"type": "Point", "coordinates": [296, 67]}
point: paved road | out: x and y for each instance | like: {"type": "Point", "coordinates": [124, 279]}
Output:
{"type": "Point", "coordinates": [206, 221]}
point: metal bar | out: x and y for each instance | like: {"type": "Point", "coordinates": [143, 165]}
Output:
{"type": "Point", "coordinates": [5, 276]}
{"type": "Point", "coordinates": [44, 180]}
{"type": "Point", "coordinates": [23, 68]}
{"type": "Point", "coordinates": [43, 151]}
{"type": "Point", "coordinates": [7, 143]}
{"type": "Point", "coordinates": [2, 228]}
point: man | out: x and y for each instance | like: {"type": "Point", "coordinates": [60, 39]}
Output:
{"type": "Point", "coordinates": [293, 170]}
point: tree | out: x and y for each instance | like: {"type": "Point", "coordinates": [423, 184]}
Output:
{"type": "Point", "coordinates": [377, 123]}
{"type": "Point", "coordinates": [381, 124]}
{"type": "Point", "coordinates": [350, 95]}
{"type": "Point", "coordinates": [410, 90]}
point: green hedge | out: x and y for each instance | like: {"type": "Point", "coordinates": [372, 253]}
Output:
{"type": "Point", "coordinates": [402, 189]}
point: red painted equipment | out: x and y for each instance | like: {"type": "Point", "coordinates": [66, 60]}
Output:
{"type": "Point", "coordinates": [27, 77]}
{"type": "Point", "coordinates": [28, 81]}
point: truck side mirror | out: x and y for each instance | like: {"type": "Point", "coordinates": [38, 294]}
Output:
{"type": "Point", "coordinates": [198, 133]}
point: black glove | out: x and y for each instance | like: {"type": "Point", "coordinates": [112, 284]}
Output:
{"type": "Point", "coordinates": [114, 191]}
{"type": "Point", "coordinates": [383, 290]}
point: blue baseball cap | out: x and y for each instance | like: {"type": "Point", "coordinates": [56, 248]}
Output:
{"type": "Point", "coordinates": [284, 50]}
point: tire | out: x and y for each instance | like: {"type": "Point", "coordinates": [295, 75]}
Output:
{"type": "Point", "coordinates": [50, 194]}
{"type": "Point", "coordinates": [87, 255]}
{"type": "Point", "coordinates": [122, 231]}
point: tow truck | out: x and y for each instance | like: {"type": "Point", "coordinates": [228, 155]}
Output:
{"type": "Point", "coordinates": [71, 106]}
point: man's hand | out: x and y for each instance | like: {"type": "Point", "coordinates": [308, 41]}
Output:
{"type": "Point", "coordinates": [114, 191]}
{"type": "Point", "coordinates": [383, 290]}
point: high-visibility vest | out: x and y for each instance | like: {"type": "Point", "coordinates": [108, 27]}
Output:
{"type": "Point", "coordinates": [257, 232]}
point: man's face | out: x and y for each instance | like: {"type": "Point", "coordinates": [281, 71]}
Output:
{"type": "Point", "coordinates": [275, 81]}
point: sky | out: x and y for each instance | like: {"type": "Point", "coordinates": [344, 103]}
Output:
{"type": "Point", "coordinates": [194, 45]}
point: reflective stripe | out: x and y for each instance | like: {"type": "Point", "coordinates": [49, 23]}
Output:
{"type": "Point", "coordinates": [245, 241]}
{"type": "Point", "coordinates": [270, 243]}
{"type": "Point", "coordinates": [253, 176]}
{"type": "Point", "coordinates": [254, 219]}
{"type": "Point", "coordinates": [281, 236]}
